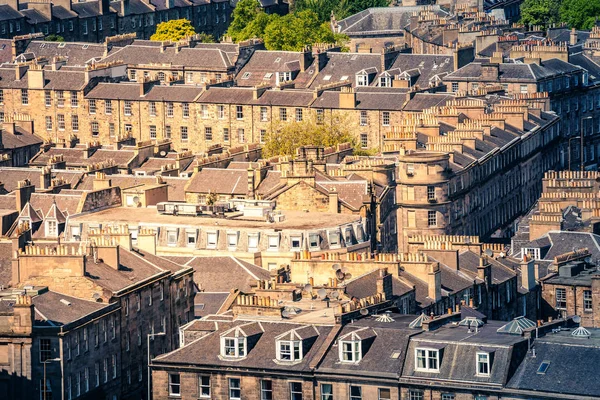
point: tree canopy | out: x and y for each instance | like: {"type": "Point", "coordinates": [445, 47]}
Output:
{"type": "Point", "coordinates": [285, 138]}
{"type": "Point", "coordinates": [54, 38]}
{"type": "Point", "coordinates": [289, 32]}
{"type": "Point", "coordinates": [580, 14]}
{"type": "Point", "coordinates": [340, 8]}
{"type": "Point", "coordinates": [174, 30]}
{"type": "Point", "coordinates": [540, 12]}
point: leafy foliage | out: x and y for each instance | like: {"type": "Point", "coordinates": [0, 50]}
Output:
{"type": "Point", "coordinates": [174, 30]}
{"type": "Point", "coordinates": [340, 8]}
{"type": "Point", "coordinates": [540, 12]}
{"type": "Point", "coordinates": [286, 137]}
{"type": "Point", "coordinates": [580, 14]}
{"type": "Point", "coordinates": [54, 38]}
{"type": "Point", "coordinates": [206, 37]}
{"type": "Point", "coordinates": [290, 32]}
{"type": "Point", "coordinates": [294, 31]}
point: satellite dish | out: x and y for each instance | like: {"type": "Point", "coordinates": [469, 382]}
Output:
{"type": "Point", "coordinates": [348, 276]}
{"type": "Point", "coordinates": [577, 319]}
{"type": "Point", "coordinates": [489, 252]}
{"type": "Point", "coordinates": [322, 293]}
{"type": "Point", "coordinates": [163, 153]}
{"type": "Point", "coordinates": [364, 311]}
{"type": "Point", "coordinates": [340, 275]}
{"type": "Point", "coordinates": [345, 270]}
{"type": "Point", "coordinates": [285, 314]}
{"type": "Point", "coordinates": [308, 288]}
{"type": "Point", "coordinates": [335, 267]}
{"type": "Point", "coordinates": [334, 295]}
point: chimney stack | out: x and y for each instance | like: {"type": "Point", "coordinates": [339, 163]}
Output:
{"type": "Point", "coordinates": [434, 282]}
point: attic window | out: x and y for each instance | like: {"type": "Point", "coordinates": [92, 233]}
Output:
{"type": "Point", "coordinates": [268, 75]}
{"type": "Point", "coordinates": [278, 59]}
{"type": "Point", "coordinates": [395, 355]}
{"type": "Point", "coordinates": [344, 78]}
{"type": "Point", "coordinates": [543, 367]}
{"type": "Point", "coordinates": [233, 347]}
{"type": "Point", "coordinates": [289, 350]}
{"type": "Point", "coordinates": [354, 57]}
{"type": "Point", "coordinates": [362, 80]}
{"type": "Point", "coordinates": [483, 364]}
{"type": "Point", "coordinates": [327, 77]}
{"type": "Point", "coordinates": [427, 360]}
{"type": "Point", "coordinates": [246, 75]}
{"type": "Point", "coordinates": [61, 45]}
{"type": "Point", "coordinates": [85, 46]}
{"type": "Point", "coordinates": [350, 350]}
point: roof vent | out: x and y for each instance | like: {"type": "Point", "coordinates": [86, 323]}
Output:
{"type": "Point", "coordinates": [581, 332]}
{"type": "Point", "coordinates": [471, 322]}
{"type": "Point", "coordinates": [65, 302]}
{"type": "Point", "coordinates": [418, 322]}
{"type": "Point", "coordinates": [516, 326]}
{"type": "Point", "coordinates": [384, 318]}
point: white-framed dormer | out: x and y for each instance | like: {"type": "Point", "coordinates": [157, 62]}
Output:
{"type": "Point", "coordinates": [362, 78]}
{"type": "Point", "coordinates": [235, 343]}
{"type": "Point", "coordinates": [385, 80]}
{"type": "Point", "coordinates": [289, 347]}
{"type": "Point", "coordinates": [350, 348]}
{"type": "Point", "coordinates": [233, 347]}
{"type": "Point", "coordinates": [51, 227]}
{"type": "Point", "coordinates": [211, 239]}
{"type": "Point", "coordinates": [334, 238]}
{"type": "Point", "coordinates": [427, 359]}
{"type": "Point", "coordinates": [253, 241]}
{"type": "Point", "coordinates": [172, 236]}
{"type": "Point", "coordinates": [295, 241]}
{"type": "Point", "coordinates": [483, 362]}
{"type": "Point", "coordinates": [359, 233]}
{"type": "Point", "coordinates": [273, 242]}
{"type": "Point", "coordinates": [232, 240]}
{"type": "Point", "coordinates": [314, 241]}
{"type": "Point", "coordinates": [191, 237]}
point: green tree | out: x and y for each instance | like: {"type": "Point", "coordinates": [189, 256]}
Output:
{"type": "Point", "coordinates": [340, 8]}
{"type": "Point", "coordinates": [580, 14]}
{"type": "Point", "coordinates": [54, 38]}
{"type": "Point", "coordinates": [174, 30]}
{"type": "Point", "coordinates": [256, 27]}
{"type": "Point", "coordinates": [206, 37]}
{"type": "Point", "coordinates": [285, 138]}
{"type": "Point", "coordinates": [540, 12]}
{"type": "Point", "coordinates": [244, 13]}
{"type": "Point", "coordinates": [294, 31]}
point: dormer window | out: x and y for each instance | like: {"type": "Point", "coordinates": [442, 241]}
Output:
{"type": "Point", "coordinates": [233, 347]}
{"type": "Point", "coordinates": [51, 228]}
{"type": "Point", "coordinates": [483, 364]}
{"type": "Point", "coordinates": [427, 360]}
{"type": "Point", "coordinates": [289, 350]}
{"type": "Point", "coordinates": [362, 80]}
{"type": "Point", "coordinates": [350, 350]}
{"type": "Point", "coordinates": [385, 81]}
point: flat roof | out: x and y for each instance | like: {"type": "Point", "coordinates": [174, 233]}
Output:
{"type": "Point", "coordinates": [149, 216]}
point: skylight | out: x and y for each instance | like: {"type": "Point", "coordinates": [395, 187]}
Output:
{"type": "Point", "coordinates": [246, 75]}
{"type": "Point", "coordinates": [543, 367]}
{"type": "Point", "coordinates": [268, 75]}
{"type": "Point", "coordinates": [581, 332]}
{"type": "Point", "coordinates": [327, 77]}
{"type": "Point", "coordinates": [343, 78]}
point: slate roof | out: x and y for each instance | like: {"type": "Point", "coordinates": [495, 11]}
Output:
{"type": "Point", "coordinates": [197, 58]}
{"type": "Point", "coordinates": [345, 65]}
{"type": "Point", "coordinates": [382, 341]}
{"type": "Point", "coordinates": [8, 13]}
{"type": "Point", "coordinates": [207, 303]}
{"type": "Point", "coordinates": [221, 274]}
{"type": "Point", "coordinates": [175, 185]}
{"type": "Point", "coordinates": [75, 53]}
{"type": "Point", "coordinates": [261, 354]}
{"type": "Point", "coordinates": [382, 20]}
{"type": "Point", "coordinates": [19, 139]}
{"type": "Point", "coordinates": [11, 175]}
{"type": "Point", "coordinates": [513, 72]}
{"type": "Point", "coordinates": [264, 62]}
{"type": "Point", "coordinates": [74, 157]}
{"type": "Point", "coordinates": [6, 253]}
{"type": "Point", "coordinates": [460, 344]}
{"type": "Point", "coordinates": [366, 285]}
{"type": "Point", "coordinates": [52, 308]}
{"type": "Point", "coordinates": [222, 181]}
{"type": "Point", "coordinates": [571, 361]}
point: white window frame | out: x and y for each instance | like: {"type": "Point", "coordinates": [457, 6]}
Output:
{"type": "Point", "coordinates": [486, 363]}
{"type": "Point", "coordinates": [351, 354]}
{"type": "Point", "coordinates": [292, 351]}
{"type": "Point", "coordinates": [173, 385]}
{"type": "Point", "coordinates": [209, 243]}
{"type": "Point", "coordinates": [237, 343]}
{"type": "Point", "coordinates": [427, 355]}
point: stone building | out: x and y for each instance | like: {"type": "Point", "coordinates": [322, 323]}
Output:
{"type": "Point", "coordinates": [387, 356]}
{"type": "Point", "coordinates": [151, 295]}
{"type": "Point", "coordinates": [69, 342]}
{"type": "Point", "coordinates": [95, 20]}
{"type": "Point", "coordinates": [445, 187]}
